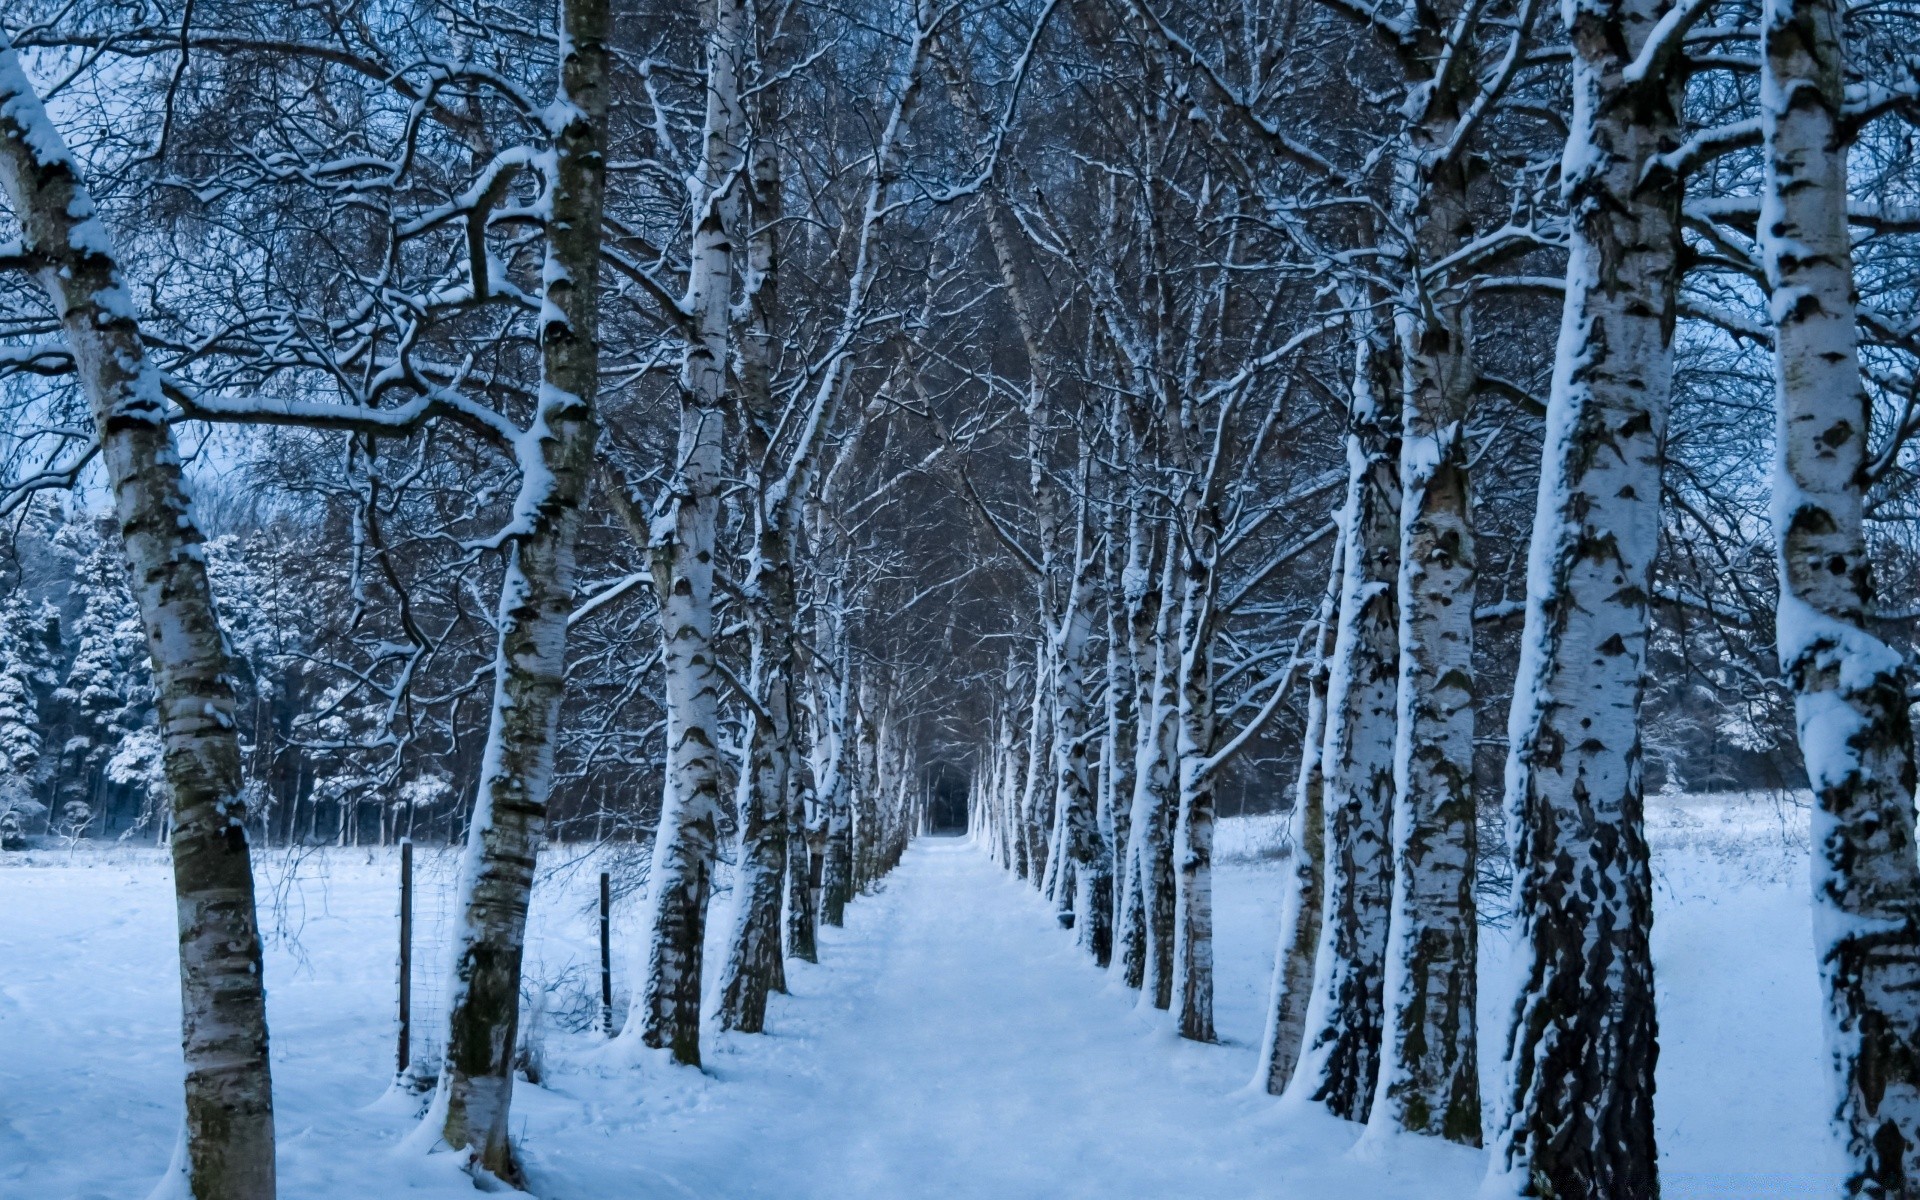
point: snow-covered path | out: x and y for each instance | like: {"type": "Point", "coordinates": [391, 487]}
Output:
{"type": "Point", "coordinates": [957, 1054]}
{"type": "Point", "coordinates": [952, 1042]}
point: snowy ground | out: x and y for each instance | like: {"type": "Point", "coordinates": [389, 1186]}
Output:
{"type": "Point", "coordinates": [951, 1043]}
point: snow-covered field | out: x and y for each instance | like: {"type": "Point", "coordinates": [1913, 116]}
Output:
{"type": "Point", "coordinates": [950, 1044]}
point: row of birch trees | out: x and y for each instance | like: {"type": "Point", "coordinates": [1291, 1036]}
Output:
{"type": "Point", "coordinates": [563, 289]}
{"type": "Point", "coordinates": [1691, 184]}
{"type": "Point", "coordinates": [731, 411]}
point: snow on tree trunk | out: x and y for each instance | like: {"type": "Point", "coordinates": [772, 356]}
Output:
{"type": "Point", "coordinates": [836, 887]}
{"type": "Point", "coordinates": [1339, 1064]}
{"type": "Point", "coordinates": [1850, 688]}
{"type": "Point", "coordinates": [1194, 724]}
{"type": "Point", "coordinates": [1429, 1082]}
{"type": "Point", "coordinates": [1159, 787]}
{"type": "Point", "coordinates": [1293, 961]}
{"type": "Point", "coordinates": [802, 940]}
{"type": "Point", "coordinates": [1116, 765]}
{"type": "Point", "coordinates": [229, 1149]}
{"type": "Point", "coordinates": [1133, 943]}
{"type": "Point", "coordinates": [1036, 814]}
{"type": "Point", "coordinates": [536, 599]}
{"type": "Point", "coordinates": [1580, 1052]}
{"type": "Point", "coordinates": [667, 1011]}
{"type": "Point", "coordinates": [754, 964]}
{"type": "Point", "coordinates": [1193, 839]}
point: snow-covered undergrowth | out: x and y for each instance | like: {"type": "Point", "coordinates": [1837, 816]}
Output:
{"type": "Point", "coordinates": [951, 1043]}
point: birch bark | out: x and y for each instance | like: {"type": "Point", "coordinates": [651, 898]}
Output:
{"type": "Point", "coordinates": [666, 1013]}
{"type": "Point", "coordinates": [1339, 1065]}
{"type": "Point", "coordinates": [1850, 688]}
{"type": "Point", "coordinates": [536, 599]}
{"type": "Point", "coordinates": [1306, 834]}
{"type": "Point", "coordinates": [1430, 1077]}
{"type": "Point", "coordinates": [1581, 1048]}
{"type": "Point", "coordinates": [229, 1149]}
{"type": "Point", "coordinates": [754, 965]}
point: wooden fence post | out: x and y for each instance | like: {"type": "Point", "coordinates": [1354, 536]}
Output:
{"type": "Point", "coordinates": [606, 955]}
{"type": "Point", "coordinates": [404, 1053]}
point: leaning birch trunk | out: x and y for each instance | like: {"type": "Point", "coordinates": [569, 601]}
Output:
{"type": "Point", "coordinates": [1340, 1062]}
{"type": "Point", "coordinates": [1429, 1081]}
{"type": "Point", "coordinates": [1293, 960]}
{"type": "Point", "coordinates": [754, 964]}
{"type": "Point", "coordinates": [1580, 1052]}
{"type": "Point", "coordinates": [228, 1143]}
{"type": "Point", "coordinates": [666, 1012]}
{"type": "Point", "coordinates": [536, 598]}
{"type": "Point", "coordinates": [1850, 688]}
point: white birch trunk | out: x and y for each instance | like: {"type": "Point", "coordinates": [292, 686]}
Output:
{"type": "Point", "coordinates": [228, 1143]}
{"type": "Point", "coordinates": [1293, 961]}
{"type": "Point", "coordinates": [666, 1012]}
{"type": "Point", "coordinates": [1581, 1048]}
{"type": "Point", "coordinates": [1339, 1064]}
{"type": "Point", "coordinates": [754, 963]}
{"type": "Point", "coordinates": [1850, 687]}
{"type": "Point", "coordinates": [1429, 1081]}
{"type": "Point", "coordinates": [508, 826]}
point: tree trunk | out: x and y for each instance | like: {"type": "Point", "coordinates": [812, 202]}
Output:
{"type": "Point", "coordinates": [1850, 688]}
{"type": "Point", "coordinates": [754, 965]}
{"type": "Point", "coordinates": [1161, 773]}
{"type": "Point", "coordinates": [1306, 832]}
{"type": "Point", "coordinates": [229, 1148]}
{"type": "Point", "coordinates": [536, 599]}
{"type": "Point", "coordinates": [667, 1012]}
{"type": "Point", "coordinates": [1430, 1077]}
{"type": "Point", "coordinates": [1580, 1052]}
{"type": "Point", "coordinates": [1193, 838]}
{"type": "Point", "coordinates": [1116, 766]}
{"type": "Point", "coordinates": [1339, 1066]}
{"type": "Point", "coordinates": [1132, 938]}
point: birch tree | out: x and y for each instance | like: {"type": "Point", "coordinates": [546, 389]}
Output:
{"type": "Point", "coordinates": [666, 1008]}
{"type": "Point", "coordinates": [227, 1149]}
{"type": "Point", "coordinates": [1581, 1048]}
{"type": "Point", "coordinates": [1850, 688]}
{"type": "Point", "coordinates": [504, 836]}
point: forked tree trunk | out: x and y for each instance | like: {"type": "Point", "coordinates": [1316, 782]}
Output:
{"type": "Point", "coordinates": [1340, 1062]}
{"type": "Point", "coordinates": [1850, 688]}
{"type": "Point", "coordinates": [1580, 1053]}
{"type": "Point", "coordinates": [536, 599]}
{"type": "Point", "coordinates": [229, 1151]}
